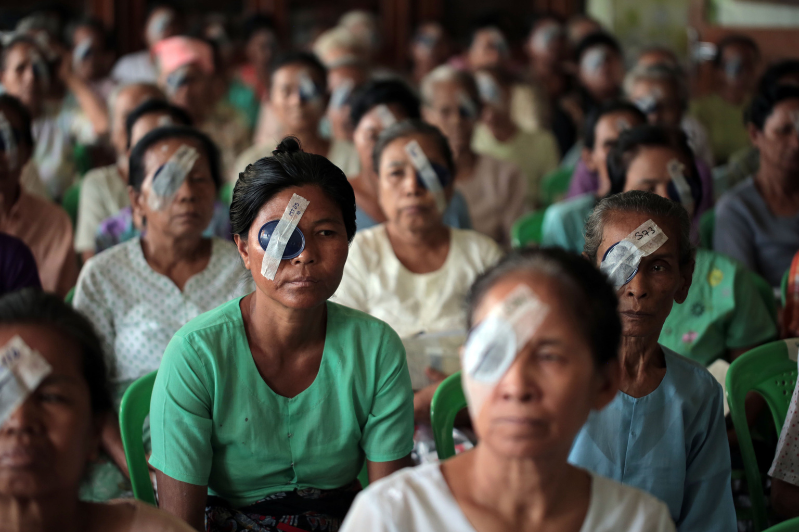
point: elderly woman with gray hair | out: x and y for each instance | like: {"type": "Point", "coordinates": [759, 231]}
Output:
{"type": "Point", "coordinates": [664, 432]}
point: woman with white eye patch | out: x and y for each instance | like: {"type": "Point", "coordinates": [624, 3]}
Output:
{"type": "Point", "coordinates": [265, 408]}
{"type": "Point", "coordinates": [664, 431]}
{"type": "Point", "coordinates": [541, 355]}
{"type": "Point", "coordinates": [139, 293]}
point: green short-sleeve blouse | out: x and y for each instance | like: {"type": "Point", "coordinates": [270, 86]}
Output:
{"type": "Point", "coordinates": [215, 422]}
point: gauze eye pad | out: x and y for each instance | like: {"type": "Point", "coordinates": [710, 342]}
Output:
{"type": "Point", "coordinates": [466, 106]}
{"type": "Point", "coordinates": [308, 90]}
{"type": "Point", "coordinates": [169, 178]}
{"type": "Point", "coordinates": [494, 343]}
{"type": "Point", "coordinates": [681, 188]}
{"type": "Point", "coordinates": [341, 93]}
{"type": "Point", "coordinates": [594, 58]}
{"type": "Point", "coordinates": [733, 67]}
{"type": "Point", "coordinates": [9, 141]}
{"type": "Point", "coordinates": [488, 89]}
{"type": "Point", "coordinates": [21, 370]}
{"type": "Point", "coordinates": [282, 233]}
{"type": "Point", "coordinates": [427, 174]}
{"type": "Point", "coordinates": [82, 51]}
{"type": "Point", "coordinates": [294, 246]}
{"type": "Point", "coordinates": [386, 117]}
{"type": "Point", "coordinates": [544, 36]}
{"type": "Point", "coordinates": [177, 79]}
{"type": "Point", "coordinates": [622, 259]}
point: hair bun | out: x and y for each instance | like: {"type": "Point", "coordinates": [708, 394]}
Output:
{"type": "Point", "coordinates": [288, 145]}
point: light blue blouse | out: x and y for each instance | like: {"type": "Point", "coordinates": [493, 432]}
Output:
{"type": "Point", "coordinates": [671, 443]}
{"type": "Point", "coordinates": [456, 215]}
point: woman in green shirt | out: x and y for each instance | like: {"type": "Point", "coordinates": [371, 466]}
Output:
{"type": "Point", "coordinates": [265, 408]}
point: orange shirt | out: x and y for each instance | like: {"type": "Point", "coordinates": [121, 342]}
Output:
{"type": "Point", "coordinates": [47, 231]}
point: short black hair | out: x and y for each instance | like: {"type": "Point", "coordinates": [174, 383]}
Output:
{"type": "Point", "coordinates": [306, 59]}
{"type": "Point", "coordinates": [16, 106]}
{"type": "Point", "coordinates": [771, 77]}
{"type": "Point", "coordinates": [764, 102]}
{"type": "Point", "coordinates": [255, 23]}
{"type": "Point", "coordinates": [585, 290]}
{"type": "Point", "coordinates": [155, 105]}
{"type": "Point", "coordinates": [411, 127]}
{"type": "Point", "coordinates": [383, 92]}
{"type": "Point", "coordinates": [598, 38]}
{"type": "Point", "coordinates": [732, 40]}
{"type": "Point", "coordinates": [34, 307]}
{"type": "Point", "coordinates": [615, 106]}
{"type": "Point", "coordinates": [136, 170]}
{"type": "Point", "coordinates": [288, 166]}
{"type": "Point", "coordinates": [632, 140]}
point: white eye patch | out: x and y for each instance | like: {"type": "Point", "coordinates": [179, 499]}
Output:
{"type": "Point", "coordinates": [21, 371]}
{"type": "Point", "coordinates": [159, 24]}
{"type": "Point", "coordinates": [9, 141]}
{"type": "Point", "coordinates": [594, 58]}
{"type": "Point", "coordinates": [341, 93]}
{"type": "Point", "coordinates": [427, 174]}
{"type": "Point", "coordinates": [177, 79]}
{"type": "Point", "coordinates": [676, 171]}
{"type": "Point", "coordinates": [545, 35]}
{"type": "Point", "coordinates": [386, 117]}
{"type": "Point", "coordinates": [733, 67]}
{"type": "Point", "coordinates": [170, 177]}
{"type": "Point", "coordinates": [82, 50]}
{"type": "Point", "coordinates": [622, 124]}
{"type": "Point", "coordinates": [466, 106]}
{"type": "Point", "coordinates": [622, 259]}
{"type": "Point", "coordinates": [488, 89]}
{"type": "Point", "coordinates": [308, 89]}
{"type": "Point", "coordinates": [280, 237]}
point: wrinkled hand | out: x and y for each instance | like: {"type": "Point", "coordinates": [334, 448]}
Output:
{"type": "Point", "coordinates": [424, 397]}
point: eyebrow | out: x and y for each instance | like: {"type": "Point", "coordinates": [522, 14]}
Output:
{"type": "Point", "coordinates": [327, 221]}
{"type": "Point", "coordinates": [397, 163]}
{"type": "Point", "coordinates": [59, 379]}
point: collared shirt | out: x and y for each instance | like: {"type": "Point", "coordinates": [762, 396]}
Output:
{"type": "Point", "coordinates": [46, 230]}
{"type": "Point", "coordinates": [671, 443]}
{"type": "Point", "coordinates": [102, 194]}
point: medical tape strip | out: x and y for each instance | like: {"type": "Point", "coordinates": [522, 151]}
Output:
{"type": "Point", "coordinates": [544, 36]}
{"type": "Point", "coordinates": [645, 240]}
{"type": "Point", "coordinates": [10, 142]}
{"type": "Point", "coordinates": [386, 117]}
{"type": "Point", "coordinates": [488, 89]}
{"type": "Point", "coordinates": [21, 371]}
{"type": "Point", "coordinates": [81, 51]}
{"type": "Point", "coordinates": [427, 174]}
{"type": "Point", "coordinates": [733, 67]}
{"type": "Point", "coordinates": [176, 79]}
{"type": "Point", "coordinates": [594, 59]}
{"type": "Point", "coordinates": [676, 171]}
{"type": "Point", "coordinates": [468, 105]}
{"type": "Point", "coordinates": [170, 177]}
{"type": "Point", "coordinates": [280, 236]}
{"type": "Point", "coordinates": [308, 90]}
{"type": "Point", "coordinates": [341, 93]}
{"type": "Point", "coordinates": [159, 24]}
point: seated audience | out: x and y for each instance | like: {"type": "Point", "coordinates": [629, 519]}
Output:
{"type": "Point", "coordinates": [784, 477]}
{"type": "Point", "coordinates": [564, 222]}
{"type": "Point", "coordinates": [163, 22]}
{"type": "Point", "coordinates": [139, 293]}
{"type": "Point", "coordinates": [374, 108]}
{"type": "Point", "coordinates": [91, 56]}
{"type": "Point", "coordinates": [330, 382]}
{"type": "Point", "coordinates": [412, 271]}
{"type": "Point", "coordinates": [559, 365]}
{"type": "Point", "coordinates": [365, 27]}
{"type": "Point", "coordinates": [186, 67]}
{"type": "Point", "coordinates": [43, 226]}
{"type": "Point", "coordinates": [342, 79]}
{"type": "Point", "coordinates": [724, 313]}
{"type": "Point", "coordinates": [580, 26]}
{"type": "Point", "coordinates": [17, 266]}
{"type": "Point", "coordinates": [104, 190]}
{"type": "Point", "coordinates": [757, 222]}
{"type": "Point", "coordinates": [664, 432]}
{"type": "Point", "coordinates": [50, 439]}
{"type": "Point", "coordinates": [600, 74]}
{"type": "Point", "coordinates": [494, 190]}
{"type": "Point", "coordinates": [249, 88]}
{"type": "Point", "coordinates": [534, 152]}
{"type": "Point", "coordinates": [721, 112]}
{"type": "Point", "coordinates": [657, 55]}
{"type": "Point", "coordinates": [429, 48]}
{"type": "Point", "coordinates": [298, 101]}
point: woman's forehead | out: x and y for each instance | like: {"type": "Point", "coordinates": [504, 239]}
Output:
{"type": "Point", "coordinates": [160, 152]}
{"type": "Point", "coordinates": [319, 206]}
{"type": "Point", "coordinates": [620, 224]}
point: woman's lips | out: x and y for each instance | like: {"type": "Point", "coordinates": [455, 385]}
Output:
{"type": "Point", "coordinates": [21, 457]}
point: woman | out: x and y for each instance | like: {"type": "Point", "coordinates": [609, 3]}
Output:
{"type": "Point", "coordinates": [374, 108]}
{"type": "Point", "coordinates": [413, 271]}
{"type": "Point", "coordinates": [329, 384]}
{"type": "Point", "coordinates": [48, 441]}
{"type": "Point", "coordinates": [139, 293]}
{"type": "Point", "coordinates": [494, 190]}
{"type": "Point", "coordinates": [561, 366]}
{"type": "Point", "coordinates": [724, 314]}
{"type": "Point", "coordinates": [664, 431]}
{"type": "Point", "coordinates": [757, 221]}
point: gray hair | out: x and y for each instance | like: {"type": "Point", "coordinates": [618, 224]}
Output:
{"type": "Point", "coordinates": [641, 202]}
{"type": "Point", "coordinates": [666, 73]}
{"type": "Point", "coordinates": [448, 74]}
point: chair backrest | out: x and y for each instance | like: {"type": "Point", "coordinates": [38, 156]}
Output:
{"type": "Point", "coordinates": [555, 185]}
{"type": "Point", "coordinates": [226, 193]}
{"type": "Point", "coordinates": [769, 370]}
{"type": "Point", "coordinates": [791, 525]}
{"type": "Point", "coordinates": [528, 229]}
{"type": "Point", "coordinates": [447, 402]}
{"type": "Point", "coordinates": [70, 296]}
{"type": "Point", "coordinates": [707, 226]}
{"type": "Point", "coordinates": [133, 410]}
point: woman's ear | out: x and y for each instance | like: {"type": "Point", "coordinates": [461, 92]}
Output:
{"type": "Point", "coordinates": [609, 378]}
{"type": "Point", "coordinates": [243, 247]}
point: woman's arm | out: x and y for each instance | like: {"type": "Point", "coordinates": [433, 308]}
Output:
{"type": "Point", "coordinates": [378, 470]}
{"type": "Point", "coordinates": [111, 442]}
{"type": "Point", "coordinates": [184, 500]}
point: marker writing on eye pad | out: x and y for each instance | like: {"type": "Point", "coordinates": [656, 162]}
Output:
{"type": "Point", "coordinates": [676, 171]}
{"type": "Point", "coordinates": [82, 51]}
{"type": "Point", "coordinates": [594, 58]}
{"type": "Point", "coordinates": [425, 172]}
{"type": "Point", "coordinates": [386, 117]}
{"type": "Point", "coordinates": [308, 90]}
{"type": "Point", "coordinates": [22, 369]}
{"type": "Point", "coordinates": [177, 79]}
{"type": "Point", "coordinates": [621, 260]}
{"type": "Point", "coordinates": [171, 175]}
{"type": "Point", "coordinates": [341, 93]}
{"type": "Point", "coordinates": [9, 141]}
{"type": "Point", "coordinates": [488, 89]}
{"type": "Point", "coordinates": [466, 106]}
{"type": "Point", "coordinates": [273, 254]}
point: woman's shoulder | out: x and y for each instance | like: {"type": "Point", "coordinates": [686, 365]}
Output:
{"type": "Point", "coordinates": [476, 245]}
{"type": "Point", "coordinates": [121, 254]}
{"type": "Point", "coordinates": [741, 196]}
{"type": "Point", "coordinates": [370, 244]}
{"type": "Point", "coordinates": [217, 323]}
{"type": "Point", "coordinates": [690, 377]}
{"type": "Point", "coordinates": [360, 322]}
{"type": "Point", "coordinates": [615, 506]}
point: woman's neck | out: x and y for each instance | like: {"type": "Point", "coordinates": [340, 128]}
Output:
{"type": "Point", "coordinates": [505, 130]}
{"type": "Point", "coordinates": [56, 512]}
{"type": "Point", "coordinates": [285, 330]}
{"type": "Point", "coordinates": [779, 189]}
{"type": "Point", "coordinates": [164, 252]}
{"type": "Point", "coordinates": [428, 237]}
{"type": "Point", "coordinates": [465, 161]}
{"type": "Point", "coordinates": [643, 365]}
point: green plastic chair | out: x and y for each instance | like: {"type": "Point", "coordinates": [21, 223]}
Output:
{"type": "Point", "coordinates": [71, 201]}
{"type": "Point", "coordinates": [555, 185]}
{"type": "Point", "coordinates": [528, 229]}
{"type": "Point", "coordinates": [707, 226]}
{"type": "Point", "coordinates": [447, 402]}
{"type": "Point", "coordinates": [70, 296]}
{"type": "Point", "coordinates": [769, 370]}
{"type": "Point", "coordinates": [134, 408]}
{"type": "Point", "coordinates": [784, 287]}
{"type": "Point", "coordinates": [226, 193]}
{"type": "Point", "coordinates": [791, 525]}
